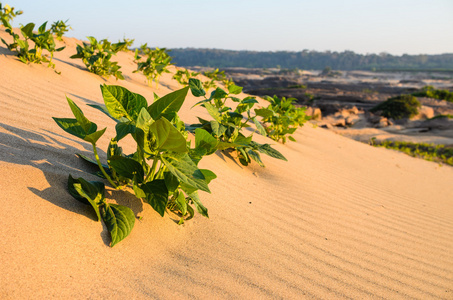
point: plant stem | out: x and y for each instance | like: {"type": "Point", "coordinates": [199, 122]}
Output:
{"type": "Point", "coordinates": [101, 167]}
{"type": "Point", "coordinates": [153, 169]}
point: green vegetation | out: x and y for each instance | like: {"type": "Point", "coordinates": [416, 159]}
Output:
{"type": "Point", "coordinates": [281, 118]}
{"type": "Point", "coordinates": [216, 75]}
{"type": "Point", "coordinates": [126, 44]}
{"type": "Point", "coordinates": [183, 75]}
{"type": "Point", "coordinates": [42, 40]}
{"type": "Point", "coordinates": [7, 14]}
{"type": "Point", "coordinates": [311, 60]}
{"type": "Point", "coordinates": [59, 28]}
{"type": "Point", "coordinates": [162, 171]}
{"type": "Point", "coordinates": [155, 64]}
{"type": "Point", "coordinates": [431, 152]}
{"type": "Point", "coordinates": [430, 92]}
{"type": "Point", "coordinates": [224, 132]}
{"type": "Point", "coordinates": [448, 116]}
{"type": "Point", "coordinates": [96, 57]}
{"type": "Point", "coordinates": [403, 106]}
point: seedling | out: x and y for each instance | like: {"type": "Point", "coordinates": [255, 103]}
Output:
{"type": "Point", "coordinates": [155, 64]}
{"type": "Point", "coordinates": [183, 76]}
{"type": "Point", "coordinates": [162, 171]}
{"type": "Point", "coordinates": [96, 57]}
{"type": "Point", "coordinates": [59, 28]}
{"type": "Point", "coordinates": [7, 14]}
{"type": "Point", "coordinates": [225, 130]}
{"type": "Point", "coordinates": [281, 118]}
{"type": "Point", "coordinates": [32, 52]}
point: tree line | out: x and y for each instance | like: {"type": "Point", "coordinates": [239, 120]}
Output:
{"type": "Point", "coordinates": [314, 60]}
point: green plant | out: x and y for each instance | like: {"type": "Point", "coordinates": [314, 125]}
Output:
{"type": "Point", "coordinates": [126, 44]}
{"type": "Point", "coordinates": [431, 152]}
{"type": "Point", "coordinates": [32, 53]}
{"type": "Point", "coordinates": [447, 116]}
{"type": "Point", "coordinates": [183, 76]}
{"type": "Point", "coordinates": [224, 132]}
{"type": "Point", "coordinates": [162, 171]}
{"type": "Point", "coordinates": [7, 14]}
{"type": "Point", "coordinates": [59, 28]}
{"type": "Point", "coordinates": [96, 57]}
{"type": "Point", "coordinates": [403, 106]}
{"type": "Point", "coordinates": [216, 75]}
{"type": "Point", "coordinates": [156, 62]}
{"type": "Point", "coordinates": [281, 118]}
{"type": "Point", "coordinates": [430, 92]}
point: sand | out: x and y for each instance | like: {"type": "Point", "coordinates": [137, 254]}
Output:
{"type": "Point", "coordinates": [340, 219]}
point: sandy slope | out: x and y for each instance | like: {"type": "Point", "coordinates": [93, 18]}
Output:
{"type": "Point", "coordinates": [339, 220]}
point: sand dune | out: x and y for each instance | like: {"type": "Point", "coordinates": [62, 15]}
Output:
{"type": "Point", "coordinates": [340, 219]}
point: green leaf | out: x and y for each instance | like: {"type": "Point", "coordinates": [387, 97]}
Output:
{"type": "Point", "coordinates": [95, 136]}
{"type": "Point", "coordinates": [156, 195]}
{"type": "Point", "coordinates": [73, 127]}
{"type": "Point", "coordinates": [119, 220]}
{"type": "Point", "coordinates": [168, 104]}
{"type": "Point", "coordinates": [291, 138]}
{"type": "Point", "coordinates": [198, 205]}
{"type": "Point", "coordinates": [218, 93]}
{"type": "Point", "coordinates": [213, 111]}
{"type": "Point", "coordinates": [78, 114]}
{"type": "Point", "coordinates": [87, 192]}
{"type": "Point", "coordinates": [259, 127]}
{"type": "Point", "coordinates": [167, 136]}
{"type": "Point", "coordinates": [196, 87]}
{"type": "Point", "coordinates": [171, 181]}
{"type": "Point", "coordinates": [234, 89]}
{"type": "Point", "coordinates": [256, 157]}
{"type": "Point", "coordinates": [103, 109]}
{"type": "Point", "coordinates": [121, 102]}
{"type": "Point", "coordinates": [267, 149]}
{"type": "Point", "coordinates": [264, 112]}
{"type": "Point", "coordinates": [204, 140]}
{"type": "Point", "coordinates": [182, 204]}
{"type": "Point", "coordinates": [92, 161]}
{"type": "Point", "coordinates": [127, 167]}
{"type": "Point", "coordinates": [182, 166]}
{"type": "Point", "coordinates": [27, 30]}
{"type": "Point", "coordinates": [123, 129]}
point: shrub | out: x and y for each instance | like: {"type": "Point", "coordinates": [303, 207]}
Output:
{"type": "Point", "coordinates": [42, 40]}
{"type": "Point", "coordinates": [162, 171]}
{"type": "Point", "coordinates": [430, 92]}
{"type": "Point", "coordinates": [96, 57]}
{"type": "Point", "coordinates": [155, 64]}
{"type": "Point", "coordinates": [403, 106]}
{"type": "Point", "coordinates": [59, 28]}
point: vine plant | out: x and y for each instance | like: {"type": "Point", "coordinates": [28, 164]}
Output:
{"type": "Point", "coordinates": [225, 130]}
{"type": "Point", "coordinates": [162, 171]}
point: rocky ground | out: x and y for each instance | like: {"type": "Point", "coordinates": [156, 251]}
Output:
{"type": "Point", "coordinates": [341, 100]}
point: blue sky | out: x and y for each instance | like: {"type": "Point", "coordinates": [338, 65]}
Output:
{"type": "Point", "coordinates": [366, 26]}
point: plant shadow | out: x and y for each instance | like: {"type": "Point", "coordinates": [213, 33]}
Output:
{"type": "Point", "coordinates": [54, 155]}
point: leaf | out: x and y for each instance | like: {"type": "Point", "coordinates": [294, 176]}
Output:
{"type": "Point", "coordinates": [87, 192]}
{"type": "Point", "coordinates": [86, 158]}
{"type": "Point", "coordinates": [171, 181]}
{"type": "Point", "coordinates": [180, 165]}
{"type": "Point", "coordinates": [73, 127]}
{"type": "Point", "coordinates": [78, 114]}
{"type": "Point", "coordinates": [213, 112]}
{"type": "Point", "coordinates": [204, 140]}
{"type": "Point", "coordinates": [103, 109]}
{"type": "Point", "coordinates": [292, 139]}
{"type": "Point", "coordinates": [123, 129]}
{"type": "Point", "coordinates": [167, 136]}
{"type": "Point", "coordinates": [127, 167]}
{"type": "Point", "coordinates": [267, 149]}
{"type": "Point", "coordinates": [264, 112]}
{"type": "Point", "coordinates": [234, 89]}
{"type": "Point", "coordinates": [196, 87]}
{"type": "Point", "coordinates": [27, 30]}
{"type": "Point", "coordinates": [218, 93]}
{"type": "Point", "coordinates": [256, 157]}
{"type": "Point", "coordinates": [259, 127]}
{"type": "Point", "coordinates": [198, 205]}
{"type": "Point", "coordinates": [121, 102]}
{"type": "Point", "coordinates": [168, 104]}
{"type": "Point", "coordinates": [156, 195]}
{"type": "Point", "coordinates": [95, 136]}
{"type": "Point", "coordinates": [182, 205]}
{"type": "Point", "coordinates": [119, 220]}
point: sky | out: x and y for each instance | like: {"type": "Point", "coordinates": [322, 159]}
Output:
{"type": "Point", "coordinates": [363, 26]}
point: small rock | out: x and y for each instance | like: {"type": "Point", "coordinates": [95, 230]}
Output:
{"type": "Point", "coordinates": [425, 112]}
{"type": "Point", "coordinates": [327, 125]}
{"type": "Point", "coordinates": [339, 123]}
{"type": "Point", "coordinates": [352, 119]}
{"type": "Point", "coordinates": [383, 122]}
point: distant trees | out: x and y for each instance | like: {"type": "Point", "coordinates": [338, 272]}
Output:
{"type": "Point", "coordinates": [306, 59]}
